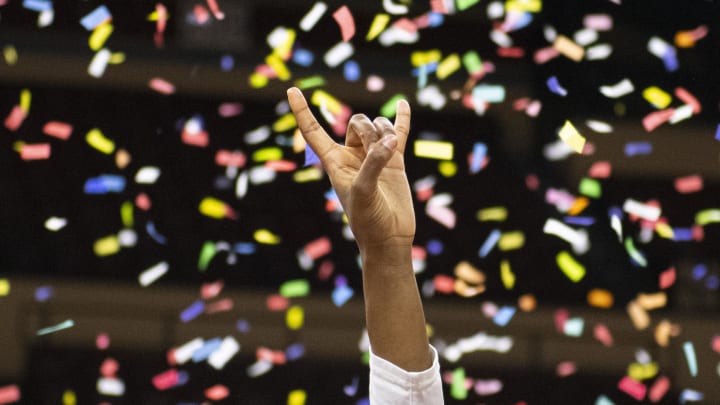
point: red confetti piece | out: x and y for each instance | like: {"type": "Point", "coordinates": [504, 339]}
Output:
{"type": "Point", "coordinates": [215, 9]}
{"type": "Point", "coordinates": [545, 55]}
{"type": "Point", "coordinates": [200, 138]}
{"type": "Point", "coordinates": [277, 302]}
{"type": "Point", "coordinates": [162, 86]}
{"type": "Point", "coordinates": [165, 380]}
{"type": "Point", "coordinates": [688, 98]}
{"type": "Point", "coordinates": [444, 284]}
{"type": "Point", "coordinates": [566, 368]}
{"type": "Point", "coordinates": [633, 388]}
{"type": "Point", "coordinates": [38, 151]}
{"type": "Point", "coordinates": [561, 316]}
{"type": "Point", "coordinates": [511, 52]}
{"type": "Point", "coordinates": [143, 202]}
{"type": "Point", "coordinates": [659, 389]}
{"type": "Point", "coordinates": [657, 118]}
{"type": "Point", "coordinates": [667, 278]}
{"type": "Point", "coordinates": [345, 20]}
{"type": "Point", "coordinates": [600, 170]}
{"type": "Point", "coordinates": [716, 343]}
{"type": "Point", "coordinates": [201, 14]}
{"type": "Point", "coordinates": [15, 118]}
{"type": "Point", "coordinates": [318, 248]}
{"type": "Point", "coordinates": [688, 184]}
{"type": "Point", "coordinates": [228, 158]}
{"type": "Point", "coordinates": [211, 290]}
{"type": "Point", "coordinates": [9, 394]}
{"type": "Point", "coordinates": [109, 367]}
{"type": "Point", "coordinates": [58, 129]}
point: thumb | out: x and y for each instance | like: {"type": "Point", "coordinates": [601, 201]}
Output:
{"type": "Point", "coordinates": [377, 158]}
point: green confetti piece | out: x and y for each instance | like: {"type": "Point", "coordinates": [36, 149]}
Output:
{"type": "Point", "coordinates": [457, 389]}
{"type": "Point", "coordinates": [206, 255]}
{"type": "Point", "coordinates": [472, 62]}
{"type": "Point", "coordinates": [390, 107]}
{"type": "Point", "coordinates": [126, 213]}
{"type": "Point", "coordinates": [310, 82]}
{"type": "Point", "coordinates": [295, 288]}
{"type": "Point", "coordinates": [635, 254]}
{"type": "Point", "coordinates": [266, 154]}
{"type": "Point", "coordinates": [708, 216]}
{"type": "Point", "coordinates": [465, 4]}
{"type": "Point", "coordinates": [365, 358]}
{"type": "Point", "coordinates": [571, 267]}
{"type": "Point", "coordinates": [590, 187]}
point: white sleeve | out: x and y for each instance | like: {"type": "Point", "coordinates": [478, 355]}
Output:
{"type": "Point", "coordinates": [390, 384]}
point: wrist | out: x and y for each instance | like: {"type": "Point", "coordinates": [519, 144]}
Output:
{"type": "Point", "coordinates": [391, 254]}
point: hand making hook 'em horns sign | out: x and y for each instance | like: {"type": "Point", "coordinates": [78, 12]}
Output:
{"type": "Point", "coordinates": [368, 173]}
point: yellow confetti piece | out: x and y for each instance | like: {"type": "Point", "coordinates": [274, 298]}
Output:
{"type": "Point", "coordinates": [498, 214]}
{"type": "Point", "coordinates": [283, 50]}
{"type": "Point", "coordinates": [640, 372]}
{"type": "Point", "coordinates": [638, 315]}
{"type": "Point", "coordinates": [511, 240]}
{"type": "Point", "coordinates": [285, 123]}
{"type": "Point", "coordinates": [532, 6]}
{"type": "Point", "coordinates": [320, 98]}
{"type": "Point", "coordinates": [126, 213]}
{"type": "Point", "coordinates": [266, 237]}
{"type": "Point", "coordinates": [652, 301]}
{"type": "Point", "coordinates": [278, 66]}
{"type": "Point", "coordinates": [708, 216]}
{"type": "Point", "coordinates": [570, 49]}
{"type": "Point", "coordinates": [468, 273]}
{"type": "Point", "coordinates": [25, 100]}
{"type": "Point", "coordinates": [657, 97]}
{"type": "Point", "coordinates": [664, 230]}
{"type": "Point", "coordinates": [378, 25]}
{"type": "Point", "coordinates": [570, 267]}
{"type": "Point", "coordinates": [116, 58]}
{"type": "Point", "coordinates": [69, 398]}
{"type": "Point", "coordinates": [268, 153]}
{"type": "Point", "coordinates": [434, 149]}
{"type": "Point", "coordinates": [10, 54]}
{"type": "Point", "coordinates": [419, 58]}
{"type": "Point", "coordinates": [258, 80]}
{"type": "Point", "coordinates": [97, 140]}
{"type": "Point", "coordinates": [295, 317]}
{"type": "Point", "coordinates": [4, 287]}
{"type": "Point", "coordinates": [310, 174]}
{"type": "Point", "coordinates": [213, 208]}
{"type": "Point", "coordinates": [297, 397]}
{"type": "Point", "coordinates": [600, 298]}
{"type": "Point", "coordinates": [106, 246]}
{"type": "Point", "coordinates": [448, 66]}
{"type": "Point", "coordinates": [99, 36]}
{"type": "Point", "coordinates": [506, 275]}
{"type": "Point", "coordinates": [447, 168]}
{"type": "Point", "coordinates": [572, 137]}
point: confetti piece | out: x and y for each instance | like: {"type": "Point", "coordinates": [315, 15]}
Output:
{"type": "Point", "coordinates": [570, 49]}
{"type": "Point", "coordinates": [555, 86]}
{"type": "Point", "coordinates": [345, 20]}
{"type": "Point", "coordinates": [689, 350]}
{"type": "Point", "coordinates": [506, 275]}
{"type": "Point", "coordinates": [659, 388]}
{"type": "Point", "coordinates": [217, 392]}
{"type": "Point", "coordinates": [570, 267]}
{"type": "Point", "coordinates": [657, 97]}
{"type": "Point", "coordinates": [574, 327]}
{"type": "Point", "coordinates": [638, 148]}
{"type": "Point", "coordinates": [98, 16]}
{"type": "Point", "coordinates": [99, 141]}
{"type": "Point", "coordinates": [38, 151]}
{"type": "Point", "coordinates": [52, 329]}
{"type": "Point", "coordinates": [193, 311]}
{"type": "Point", "coordinates": [214, 208]}
{"type": "Point", "coordinates": [603, 335]}
{"type": "Point", "coordinates": [688, 99]}
{"type": "Point", "coordinates": [15, 118]}
{"type": "Point", "coordinates": [636, 256]}
{"type": "Point", "coordinates": [691, 395]}
{"type": "Point", "coordinates": [600, 298]}
{"type": "Point", "coordinates": [295, 288]}
{"type": "Point", "coordinates": [266, 237]}
{"type": "Point", "coordinates": [577, 238]}
{"type": "Point", "coordinates": [313, 16]}
{"type": "Point", "coordinates": [688, 184]}
{"type": "Point", "coordinates": [152, 274]}
{"type": "Point", "coordinates": [380, 21]}
{"type": "Point", "coordinates": [9, 394]}
{"type": "Point", "coordinates": [489, 93]}
{"type": "Point", "coordinates": [645, 211]}
{"type": "Point", "coordinates": [166, 380]}
{"type": "Point", "coordinates": [640, 372]}
{"type": "Point", "coordinates": [295, 318]}
{"type": "Point", "coordinates": [60, 130]}
{"type": "Point", "coordinates": [4, 287]}
{"type": "Point", "coordinates": [448, 66]}
{"type": "Point", "coordinates": [338, 54]}
{"type": "Point", "coordinates": [633, 388]}
{"type": "Point", "coordinates": [618, 90]}
{"type": "Point", "coordinates": [297, 397]}
{"type": "Point", "coordinates": [99, 36]}
{"type": "Point", "coordinates": [511, 240]}
{"type": "Point", "coordinates": [433, 149]}
{"type": "Point", "coordinates": [458, 390]}
{"type": "Point", "coordinates": [504, 315]}
{"type": "Point", "coordinates": [110, 386]}
{"type": "Point", "coordinates": [10, 54]}
{"type": "Point", "coordinates": [598, 22]}
{"type": "Point", "coordinates": [638, 315]}
{"type": "Point", "coordinates": [99, 63]}
{"type": "Point", "coordinates": [495, 214]}
{"type": "Point", "coordinates": [161, 86]}
{"type": "Point", "coordinates": [571, 137]}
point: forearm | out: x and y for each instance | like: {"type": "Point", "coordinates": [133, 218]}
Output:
{"type": "Point", "coordinates": [393, 308]}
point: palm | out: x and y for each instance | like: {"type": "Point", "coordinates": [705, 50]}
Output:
{"type": "Point", "coordinates": [368, 177]}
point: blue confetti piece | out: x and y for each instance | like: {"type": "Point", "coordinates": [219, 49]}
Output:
{"type": "Point", "coordinates": [691, 395]}
{"type": "Point", "coordinates": [341, 295]}
{"type": "Point", "coordinates": [227, 63]}
{"type": "Point", "coordinates": [311, 157]}
{"type": "Point", "coordinates": [489, 243]}
{"type": "Point", "coordinates": [364, 401]}
{"type": "Point", "coordinates": [294, 351]}
{"type": "Point", "coordinates": [490, 93]}
{"type": "Point", "coordinates": [38, 5]}
{"type": "Point", "coordinates": [157, 237]}
{"type": "Point", "coordinates": [717, 133]}
{"type": "Point", "coordinates": [104, 184]}
{"type": "Point", "coordinates": [478, 157]}
{"type": "Point", "coordinates": [204, 352]}
{"type": "Point", "coordinates": [712, 282]}
{"type": "Point", "coordinates": [670, 60]}
{"type": "Point", "coordinates": [192, 312]}
{"type": "Point", "coordinates": [242, 326]}
{"type": "Point", "coordinates": [422, 76]}
{"type": "Point", "coordinates": [43, 294]}
{"type": "Point", "coordinates": [682, 234]}
{"type": "Point", "coordinates": [555, 87]}
{"type": "Point", "coordinates": [435, 19]}
{"type": "Point", "coordinates": [689, 350]}
{"type": "Point", "coordinates": [303, 57]}
{"type": "Point", "coordinates": [638, 148]}
{"type": "Point", "coordinates": [95, 18]}
{"type": "Point", "coordinates": [699, 271]}
{"type": "Point", "coordinates": [244, 248]}
{"type": "Point", "coordinates": [427, 68]}
{"type": "Point", "coordinates": [582, 221]}
{"type": "Point", "coordinates": [603, 400]}
{"type": "Point", "coordinates": [434, 247]}
{"type": "Point", "coordinates": [182, 378]}
{"type": "Point", "coordinates": [504, 315]}
{"type": "Point", "coordinates": [615, 212]}
{"type": "Point", "coordinates": [351, 71]}
{"type": "Point", "coordinates": [574, 327]}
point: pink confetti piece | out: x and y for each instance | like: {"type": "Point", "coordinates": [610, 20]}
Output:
{"type": "Point", "coordinates": [667, 278]}
{"type": "Point", "coordinates": [561, 317]}
{"type": "Point", "coordinates": [688, 184]}
{"type": "Point", "coordinates": [565, 369]}
{"type": "Point", "coordinates": [143, 202]}
{"type": "Point", "coordinates": [633, 388]}
{"type": "Point", "coordinates": [326, 270]}
{"type": "Point", "coordinates": [600, 170]}
{"type": "Point", "coordinates": [200, 138]}
{"type": "Point", "coordinates": [15, 118]}
{"type": "Point", "coordinates": [545, 55]}
{"type": "Point", "coordinates": [109, 368]}
{"type": "Point", "coordinates": [201, 14]}
{"type": "Point", "coordinates": [716, 343]}
{"type": "Point", "coordinates": [211, 290]}
{"type": "Point", "coordinates": [102, 341]}
{"type": "Point", "coordinates": [166, 380]}
{"type": "Point", "coordinates": [277, 302]}
{"type": "Point", "coordinates": [438, 6]}
{"type": "Point", "coordinates": [657, 118]}
{"type": "Point", "coordinates": [444, 284]}
{"type": "Point", "coordinates": [273, 356]}
{"type": "Point", "coordinates": [345, 20]}
{"type": "Point", "coordinates": [223, 305]}
{"type": "Point", "coordinates": [9, 394]}
{"type": "Point", "coordinates": [227, 110]}
{"type": "Point", "coordinates": [602, 334]}
{"type": "Point", "coordinates": [281, 165]}
{"type": "Point", "coordinates": [38, 151]}
{"type": "Point", "coordinates": [318, 248]}
{"type": "Point", "coordinates": [60, 130]}
{"type": "Point", "coordinates": [162, 86]}
{"type": "Point", "coordinates": [659, 389]}
{"type": "Point", "coordinates": [229, 158]}
{"type": "Point", "coordinates": [406, 25]}
{"type": "Point", "coordinates": [215, 9]}
{"type": "Point", "coordinates": [689, 99]}
{"type": "Point", "coordinates": [598, 22]}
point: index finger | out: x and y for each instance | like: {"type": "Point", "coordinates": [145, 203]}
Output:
{"type": "Point", "coordinates": [311, 130]}
{"type": "Point", "coordinates": [402, 124]}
